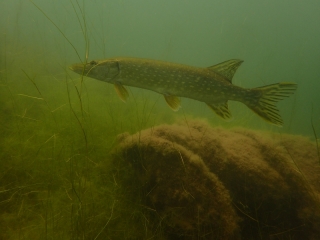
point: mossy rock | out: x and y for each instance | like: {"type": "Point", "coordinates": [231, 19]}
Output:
{"type": "Point", "coordinates": [198, 182]}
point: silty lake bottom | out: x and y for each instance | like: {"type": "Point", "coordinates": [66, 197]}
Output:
{"type": "Point", "coordinates": [78, 163]}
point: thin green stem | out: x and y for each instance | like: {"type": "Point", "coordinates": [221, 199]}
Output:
{"type": "Point", "coordinates": [65, 37]}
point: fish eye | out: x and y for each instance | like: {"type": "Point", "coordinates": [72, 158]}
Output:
{"type": "Point", "coordinates": [93, 63]}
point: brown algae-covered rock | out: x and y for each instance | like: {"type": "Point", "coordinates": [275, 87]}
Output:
{"type": "Point", "coordinates": [198, 182]}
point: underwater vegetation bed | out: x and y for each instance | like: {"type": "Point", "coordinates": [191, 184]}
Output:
{"type": "Point", "coordinates": [77, 177]}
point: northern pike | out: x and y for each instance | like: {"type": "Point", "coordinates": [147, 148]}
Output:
{"type": "Point", "coordinates": [212, 85]}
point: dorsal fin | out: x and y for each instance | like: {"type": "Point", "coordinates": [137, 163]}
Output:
{"type": "Point", "coordinates": [227, 68]}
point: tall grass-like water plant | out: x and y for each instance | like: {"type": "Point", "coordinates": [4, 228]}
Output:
{"type": "Point", "coordinates": [55, 133]}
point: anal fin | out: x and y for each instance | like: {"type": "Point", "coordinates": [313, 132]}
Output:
{"type": "Point", "coordinates": [121, 91]}
{"type": "Point", "coordinates": [173, 102]}
{"type": "Point", "coordinates": [221, 109]}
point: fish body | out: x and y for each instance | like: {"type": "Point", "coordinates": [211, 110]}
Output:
{"type": "Point", "coordinates": [212, 85]}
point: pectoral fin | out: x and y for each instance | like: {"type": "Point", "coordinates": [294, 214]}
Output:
{"type": "Point", "coordinates": [221, 109]}
{"type": "Point", "coordinates": [173, 102]}
{"type": "Point", "coordinates": [121, 91]}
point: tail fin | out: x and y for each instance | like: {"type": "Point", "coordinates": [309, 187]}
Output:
{"type": "Point", "coordinates": [265, 99]}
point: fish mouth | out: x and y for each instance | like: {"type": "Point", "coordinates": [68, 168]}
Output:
{"type": "Point", "coordinates": [76, 67]}
{"type": "Point", "coordinates": [71, 67]}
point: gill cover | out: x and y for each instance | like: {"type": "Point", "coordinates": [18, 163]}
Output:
{"type": "Point", "coordinates": [105, 70]}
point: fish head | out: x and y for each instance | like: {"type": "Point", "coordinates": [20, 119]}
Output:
{"type": "Point", "coordinates": [104, 70]}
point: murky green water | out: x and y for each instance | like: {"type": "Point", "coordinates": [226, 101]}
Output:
{"type": "Point", "coordinates": [58, 129]}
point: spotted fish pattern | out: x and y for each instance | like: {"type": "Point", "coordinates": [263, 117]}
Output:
{"type": "Point", "coordinates": [212, 85]}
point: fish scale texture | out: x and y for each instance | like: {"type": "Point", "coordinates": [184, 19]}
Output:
{"type": "Point", "coordinates": [199, 182]}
